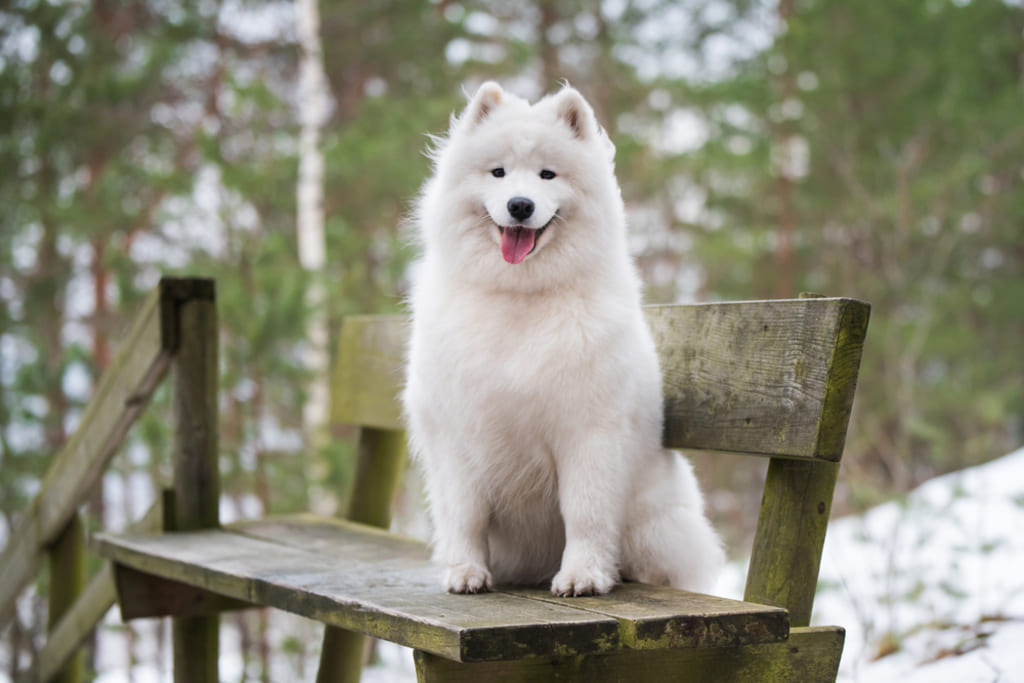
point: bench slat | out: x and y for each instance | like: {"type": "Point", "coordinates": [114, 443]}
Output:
{"type": "Point", "coordinates": [396, 598]}
{"type": "Point", "coordinates": [364, 579]}
{"type": "Point", "coordinates": [655, 617]}
{"type": "Point", "coordinates": [649, 616]}
{"type": "Point", "coordinates": [773, 378]}
{"type": "Point", "coordinates": [810, 654]}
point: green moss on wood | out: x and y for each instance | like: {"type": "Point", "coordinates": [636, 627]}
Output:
{"type": "Point", "coordinates": [809, 656]}
{"type": "Point", "coordinates": [748, 377]}
{"type": "Point", "coordinates": [360, 578]}
{"type": "Point", "coordinates": [67, 579]}
{"type": "Point", "coordinates": [790, 534]}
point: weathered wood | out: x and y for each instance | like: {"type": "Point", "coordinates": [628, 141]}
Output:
{"type": "Point", "coordinates": [360, 578]}
{"type": "Point", "coordinates": [649, 616]}
{"type": "Point", "coordinates": [844, 367]}
{"type": "Point", "coordinates": [364, 580]}
{"type": "Point", "coordinates": [124, 390]}
{"type": "Point", "coordinates": [195, 374]}
{"type": "Point", "coordinates": [811, 655]}
{"type": "Point", "coordinates": [380, 461]}
{"type": "Point", "coordinates": [196, 474]}
{"type": "Point", "coordinates": [67, 578]}
{"type": "Point", "coordinates": [655, 617]}
{"type": "Point", "coordinates": [98, 597]}
{"type": "Point", "coordinates": [768, 378]}
{"type": "Point", "coordinates": [369, 371]}
{"type": "Point", "coordinates": [791, 527]}
{"type": "Point", "coordinates": [142, 595]}
{"type": "Point", "coordinates": [797, 497]}
{"type": "Point", "coordinates": [758, 377]}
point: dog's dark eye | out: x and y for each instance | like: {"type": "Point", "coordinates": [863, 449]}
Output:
{"type": "Point", "coordinates": [547, 175]}
{"type": "Point", "coordinates": [498, 172]}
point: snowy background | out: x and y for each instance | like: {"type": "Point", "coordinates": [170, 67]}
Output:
{"type": "Point", "coordinates": [931, 588]}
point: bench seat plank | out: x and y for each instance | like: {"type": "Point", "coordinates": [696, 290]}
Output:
{"type": "Point", "coordinates": [656, 617]}
{"type": "Point", "coordinates": [810, 655]}
{"type": "Point", "coordinates": [649, 617]}
{"type": "Point", "coordinates": [364, 579]}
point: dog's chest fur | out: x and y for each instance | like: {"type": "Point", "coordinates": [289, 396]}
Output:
{"type": "Point", "coordinates": [523, 358]}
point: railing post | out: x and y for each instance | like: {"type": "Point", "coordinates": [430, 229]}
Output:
{"type": "Point", "coordinates": [196, 474]}
{"type": "Point", "coordinates": [67, 579]}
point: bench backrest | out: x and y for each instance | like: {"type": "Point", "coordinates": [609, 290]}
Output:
{"type": "Point", "coordinates": [770, 378]}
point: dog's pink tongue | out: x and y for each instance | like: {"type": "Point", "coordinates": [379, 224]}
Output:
{"type": "Point", "coordinates": [516, 243]}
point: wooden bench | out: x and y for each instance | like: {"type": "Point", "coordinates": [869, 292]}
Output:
{"type": "Point", "coordinates": [768, 378]}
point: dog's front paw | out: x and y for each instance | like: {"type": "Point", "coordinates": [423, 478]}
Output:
{"type": "Point", "coordinates": [588, 580]}
{"type": "Point", "coordinates": [467, 578]}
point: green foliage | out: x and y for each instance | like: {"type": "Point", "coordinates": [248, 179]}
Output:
{"type": "Point", "coordinates": [908, 113]}
{"type": "Point", "coordinates": [882, 141]}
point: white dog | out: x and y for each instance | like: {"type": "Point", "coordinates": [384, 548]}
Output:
{"type": "Point", "coordinates": [533, 394]}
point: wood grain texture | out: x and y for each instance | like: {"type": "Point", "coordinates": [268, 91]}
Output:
{"type": "Point", "coordinates": [124, 390]}
{"type": "Point", "coordinates": [142, 595]}
{"type": "Point", "coordinates": [196, 470]}
{"type": "Point", "coordinates": [655, 617]}
{"type": "Point", "coordinates": [810, 655]}
{"type": "Point", "coordinates": [797, 499]}
{"type": "Point", "coordinates": [843, 371]}
{"type": "Point", "coordinates": [195, 457]}
{"type": "Point", "coordinates": [772, 378]}
{"type": "Point", "coordinates": [369, 371]}
{"type": "Point", "coordinates": [368, 582]}
{"type": "Point", "coordinates": [758, 377]}
{"type": "Point", "coordinates": [364, 579]}
{"type": "Point", "coordinates": [791, 526]}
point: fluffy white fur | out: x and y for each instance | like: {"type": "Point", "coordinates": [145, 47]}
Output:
{"type": "Point", "coordinates": [533, 394]}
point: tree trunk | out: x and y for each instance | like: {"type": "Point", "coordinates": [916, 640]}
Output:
{"type": "Point", "coordinates": [310, 219]}
{"type": "Point", "coordinates": [550, 66]}
{"type": "Point", "coordinates": [785, 284]}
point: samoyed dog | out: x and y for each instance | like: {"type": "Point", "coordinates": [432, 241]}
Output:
{"type": "Point", "coordinates": [533, 394]}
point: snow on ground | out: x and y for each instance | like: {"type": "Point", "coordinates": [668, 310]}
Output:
{"type": "Point", "coordinates": [930, 588]}
{"type": "Point", "coordinates": [936, 579]}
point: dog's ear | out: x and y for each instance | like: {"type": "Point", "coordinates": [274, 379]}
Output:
{"type": "Point", "coordinates": [487, 97]}
{"type": "Point", "coordinates": [571, 108]}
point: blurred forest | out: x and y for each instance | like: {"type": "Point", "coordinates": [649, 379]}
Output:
{"type": "Point", "coordinates": [865, 149]}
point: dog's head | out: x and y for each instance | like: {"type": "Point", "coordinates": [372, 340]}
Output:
{"type": "Point", "coordinates": [515, 180]}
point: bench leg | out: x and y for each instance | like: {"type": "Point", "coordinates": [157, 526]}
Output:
{"type": "Point", "coordinates": [810, 655]}
{"type": "Point", "coordinates": [341, 659]}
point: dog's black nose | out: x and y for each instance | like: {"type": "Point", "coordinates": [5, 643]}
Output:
{"type": "Point", "coordinates": [520, 208]}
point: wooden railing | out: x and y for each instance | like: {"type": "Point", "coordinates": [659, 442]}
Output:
{"type": "Point", "coordinates": [176, 331]}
